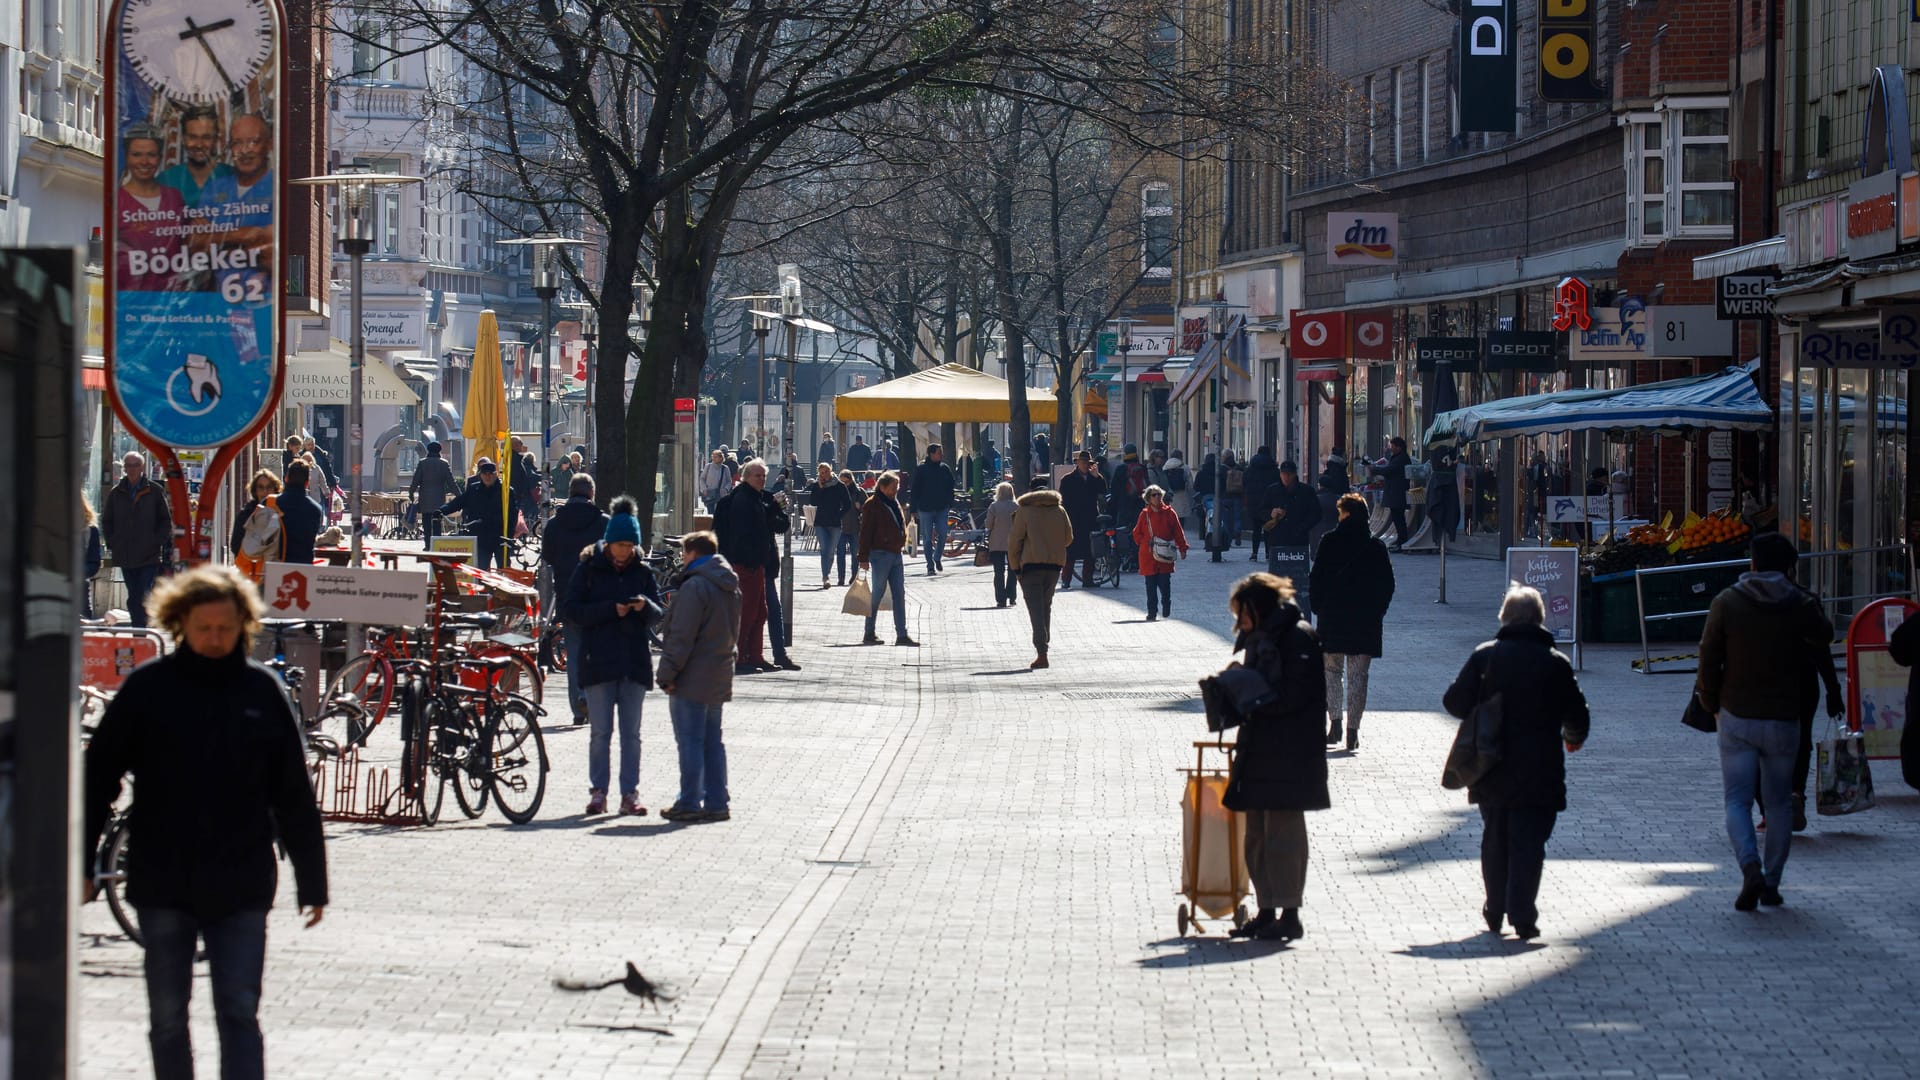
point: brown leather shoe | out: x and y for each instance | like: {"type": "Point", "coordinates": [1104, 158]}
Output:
{"type": "Point", "coordinates": [1039, 662]}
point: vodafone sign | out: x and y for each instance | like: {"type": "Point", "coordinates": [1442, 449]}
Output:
{"type": "Point", "coordinates": [1341, 335]}
{"type": "Point", "coordinates": [1317, 337]}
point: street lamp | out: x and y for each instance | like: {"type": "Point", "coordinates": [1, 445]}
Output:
{"type": "Point", "coordinates": [1219, 314]}
{"type": "Point", "coordinates": [762, 324]}
{"type": "Point", "coordinates": [589, 332]}
{"type": "Point", "coordinates": [546, 285]}
{"type": "Point", "coordinates": [355, 223]}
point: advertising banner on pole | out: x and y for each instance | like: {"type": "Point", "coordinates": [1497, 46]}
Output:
{"type": "Point", "coordinates": [193, 217]}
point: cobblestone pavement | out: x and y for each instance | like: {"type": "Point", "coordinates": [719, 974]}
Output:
{"type": "Point", "coordinates": [941, 862]}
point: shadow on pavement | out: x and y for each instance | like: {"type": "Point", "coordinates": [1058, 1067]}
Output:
{"type": "Point", "coordinates": [1009, 671]}
{"type": "Point", "coordinates": [640, 830]}
{"type": "Point", "coordinates": [1480, 946]}
{"type": "Point", "coordinates": [616, 1028]}
{"type": "Point", "coordinates": [1203, 951]}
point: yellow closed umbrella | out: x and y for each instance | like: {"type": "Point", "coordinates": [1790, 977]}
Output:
{"type": "Point", "coordinates": [486, 415]}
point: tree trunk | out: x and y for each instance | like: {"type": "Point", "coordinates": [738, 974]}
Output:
{"type": "Point", "coordinates": [1007, 288]}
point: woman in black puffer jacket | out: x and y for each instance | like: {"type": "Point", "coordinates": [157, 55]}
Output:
{"type": "Point", "coordinates": [1351, 586]}
{"type": "Point", "coordinates": [1280, 765]}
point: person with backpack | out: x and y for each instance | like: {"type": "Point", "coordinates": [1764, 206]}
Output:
{"type": "Point", "coordinates": [258, 537]}
{"type": "Point", "coordinates": [1232, 500]}
{"type": "Point", "coordinates": [1257, 486]}
{"type": "Point", "coordinates": [1177, 484]}
{"type": "Point", "coordinates": [301, 518]}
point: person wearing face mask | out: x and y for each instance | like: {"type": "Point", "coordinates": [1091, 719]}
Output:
{"type": "Point", "coordinates": [611, 599]}
{"type": "Point", "coordinates": [212, 744]}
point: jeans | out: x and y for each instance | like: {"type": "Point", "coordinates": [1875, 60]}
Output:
{"type": "Point", "coordinates": [1347, 686]}
{"type": "Point", "coordinates": [847, 550]}
{"type": "Point", "coordinates": [140, 581]}
{"type": "Point", "coordinates": [1513, 852]}
{"type": "Point", "coordinates": [751, 647]}
{"type": "Point", "coordinates": [236, 957]}
{"type": "Point", "coordinates": [1006, 583]}
{"type": "Point", "coordinates": [829, 537]}
{"type": "Point", "coordinates": [933, 535]}
{"type": "Point", "coordinates": [1039, 585]}
{"type": "Point", "coordinates": [1230, 506]}
{"type": "Point", "coordinates": [776, 616]}
{"type": "Point", "coordinates": [603, 699]}
{"type": "Point", "coordinates": [703, 757]}
{"type": "Point", "coordinates": [576, 645]}
{"type": "Point", "coordinates": [889, 577]}
{"type": "Point", "coordinates": [1762, 751]}
{"type": "Point", "coordinates": [1160, 585]}
{"type": "Point", "coordinates": [1205, 503]}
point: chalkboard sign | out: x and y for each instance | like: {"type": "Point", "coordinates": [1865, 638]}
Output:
{"type": "Point", "coordinates": [1555, 571]}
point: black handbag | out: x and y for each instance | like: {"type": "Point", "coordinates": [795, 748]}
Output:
{"type": "Point", "coordinates": [1698, 718]}
{"type": "Point", "coordinates": [1233, 695]}
{"type": "Point", "coordinates": [1476, 746]}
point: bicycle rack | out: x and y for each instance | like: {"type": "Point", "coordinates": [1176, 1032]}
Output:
{"type": "Point", "coordinates": [346, 792]}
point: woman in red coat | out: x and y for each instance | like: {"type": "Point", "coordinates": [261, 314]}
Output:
{"type": "Point", "coordinates": [1159, 523]}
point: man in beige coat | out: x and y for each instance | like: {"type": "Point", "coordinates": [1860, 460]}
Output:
{"type": "Point", "coordinates": [1037, 549]}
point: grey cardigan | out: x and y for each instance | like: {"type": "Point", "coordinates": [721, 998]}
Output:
{"type": "Point", "coordinates": [698, 633]}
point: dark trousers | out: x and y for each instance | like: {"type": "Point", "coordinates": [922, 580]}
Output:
{"type": "Point", "coordinates": [1006, 583]}
{"type": "Point", "coordinates": [236, 957]}
{"type": "Point", "coordinates": [1086, 570]}
{"type": "Point", "coordinates": [1513, 851]}
{"type": "Point", "coordinates": [486, 552]}
{"type": "Point", "coordinates": [1161, 586]}
{"type": "Point", "coordinates": [776, 616]}
{"type": "Point", "coordinates": [140, 581]}
{"type": "Point", "coordinates": [751, 648]}
{"type": "Point", "coordinates": [1397, 517]}
{"type": "Point", "coordinates": [1039, 585]}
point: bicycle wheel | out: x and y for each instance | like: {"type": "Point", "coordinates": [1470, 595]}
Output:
{"type": "Point", "coordinates": [341, 726]}
{"type": "Point", "coordinates": [367, 680]}
{"type": "Point", "coordinates": [419, 741]}
{"type": "Point", "coordinates": [522, 677]}
{"type": "Point", "coordinates": [435, 796]}
{"type": "Point", "coordinates": [471, 783]}
{"type": "Point", "coordinates": [111, 874]}
{"type": "Point", "coordinates": [516, 759]}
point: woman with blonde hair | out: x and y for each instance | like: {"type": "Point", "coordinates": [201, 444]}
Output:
{"type": "Point", "coordinates": [221, 765]}
{"type": "Point", "coordinates": [1006, 584]}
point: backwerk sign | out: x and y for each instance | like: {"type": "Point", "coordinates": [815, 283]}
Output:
{"type": "Point", "coordinates": [1488, 68]}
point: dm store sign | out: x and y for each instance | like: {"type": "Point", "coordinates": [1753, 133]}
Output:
{"type": "Point", "coordinates": [193, 208]}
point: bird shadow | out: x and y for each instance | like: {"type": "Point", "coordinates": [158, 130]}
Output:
{"type": "Point", "coordinates": [1482, 945]}
{"type": "Point", "coordinates": [1009, 671]}
{"type": "Point", "coordinates": [616, 1028]}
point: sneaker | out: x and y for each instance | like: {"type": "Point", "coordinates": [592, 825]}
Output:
{"type": "Point", "coordinates": [906, 641]}
{"type": "Point", "coordinates": [786, 663]}
{"type": "Point", "coordinates": [630, 806]}
{"type": "Point", "coordinates": [750, 668]}
{"type": "Point", "coordinates": [596, 802]}
{"type": "Point", "coordinates": [680, 813]}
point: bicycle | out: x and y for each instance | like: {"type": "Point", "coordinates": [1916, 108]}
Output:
{"type": "Point", "coordinates": [963, 532]}
{"type": "Point", "coordinates": [480, 741]}
{"type": "Point", "coordinates": [368, 679]}
{"type": "Point", "coordinates": [110, 854]}
{"type": "Point", "coordinates": [1106, 551]}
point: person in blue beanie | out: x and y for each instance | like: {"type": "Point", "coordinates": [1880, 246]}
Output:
{"type": "Point", "coordinates": [613, 598]}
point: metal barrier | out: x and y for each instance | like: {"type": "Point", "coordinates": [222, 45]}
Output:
{"type": "Point", "coordinates": [109, 653]}
{"type": "Point", "coordinates": [1645, 665]}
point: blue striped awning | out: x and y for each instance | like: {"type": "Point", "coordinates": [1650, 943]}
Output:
{"type": "Point", "coordinates": [1726, 400]}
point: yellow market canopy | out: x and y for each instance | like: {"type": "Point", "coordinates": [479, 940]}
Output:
{"type": "Point", "coordinates": [949, 394]}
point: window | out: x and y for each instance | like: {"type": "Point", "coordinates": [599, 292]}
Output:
{"type": "Point", "coordinates": [1399, 119]}
{"type": "Point", "coordinates": [374, 43]}
{"type": "Point", "coordinates": [1156, 231]}
{"type": "Point", "coordinates": [1679, 180]}
{"type": "Point", "coordinates": [1424, 108]}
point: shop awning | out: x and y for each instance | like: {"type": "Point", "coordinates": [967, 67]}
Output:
{"type": "Point", "coordinates": [1761, 253]}
{"type": "Point", "coordinates": [1206, 360]}
{"type": "Point", "coordinates": [949, 394]}
{"type": "Point", "coordinates": [323, 378]}
{"type": "Point", "coordinates": [1725, 400]}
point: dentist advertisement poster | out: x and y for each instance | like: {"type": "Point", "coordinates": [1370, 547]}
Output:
{"type": "Point", "coordinates": [194, 218]}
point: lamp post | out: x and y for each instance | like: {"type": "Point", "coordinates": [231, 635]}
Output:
{"type": "Point", "coordinates": [355, 225]}
{"type": "Point", "coordinates": [546, 285]}
{"type": "Point", "coordinates": [589, 333]}
{"type": "Point", "coordinates": [1217, 316]}
{"type": "Point", "coordinates": [1117, 425]}
{"type": "Point", "coordinates": [791, 311]}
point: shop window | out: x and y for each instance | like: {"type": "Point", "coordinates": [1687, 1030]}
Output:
{"type": "Point", "coordinates": [1679, 175]}
{"type": "Point", "coordinates": [1156, 231]}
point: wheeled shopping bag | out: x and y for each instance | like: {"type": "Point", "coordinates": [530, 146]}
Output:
{"type": "Point", "coordinates": [1213, 852]}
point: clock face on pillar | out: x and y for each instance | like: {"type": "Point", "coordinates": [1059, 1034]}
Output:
{"type": "Point", "coordinates": [199, 50]}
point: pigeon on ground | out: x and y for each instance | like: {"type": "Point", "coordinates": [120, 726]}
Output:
{"type": "Point", "coordinates": [635, 983]}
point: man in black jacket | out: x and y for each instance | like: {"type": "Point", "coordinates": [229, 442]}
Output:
{"type": "Point", "coordinates": [222, 772]}
{"type": "Point", "coordinates": [859, 454]}
{"type": "Point", "coordinates": [932, 498]}
{"type": "Point", "coordinates": [432, 486]}
{"type": "Point", "coordinates": [485, 517]}
{"type": "Point", "coordinates": [1392, 470]}
{"type": "Point", "coordinates": [575, 527]}
{"type": "Point", "coordinates": [138, 528]}
{"type": "Point", "coordinates": [1292, 510]}
{"type": "Point", "coordinates": [1260, 477]}
{"type": "Point", "coordinates": [746, 522]}
{"type": "Point", "coordinates": [301, 519]}
{"type": "Point", "coordinates": [1082, 492]}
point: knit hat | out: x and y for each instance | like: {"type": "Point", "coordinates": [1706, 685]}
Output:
{"type": "Point", "coordinates": [622, 528]}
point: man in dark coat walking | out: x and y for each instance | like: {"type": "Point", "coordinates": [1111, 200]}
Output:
{"type": "Point", "coordinates": [746, 521]}
{"type": "Point", "coordinates": [859, 454]}
{"type": "Point", "coordinates": [576, 526]}
{"type": "Point", "coordinates": [1280, 769]}
{"type": "Point", "coordinates": [932, 496]}
{"type": "Point", "coordinates": [300, 516]}
{"type": "Point", "coordinates": [1392, 471]}
{"type": "Point", "coordinates": [138, 528]}
{"type": "Point", "coordinates": [431, 487]}
{"type": "Point", "coordinates": [1352, 586]}
{"type": "Point", "coordinates": [1261, 475]}
{"type": "Point", "coordinates": [484, 517]}
{"type": "Point", "coordinates": [1082, 491]}
{"type": "Point", "coordinates": [1291, 511]}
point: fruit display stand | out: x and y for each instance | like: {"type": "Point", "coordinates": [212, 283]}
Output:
{"type": "Point", "coordinates": [1613, 590]}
